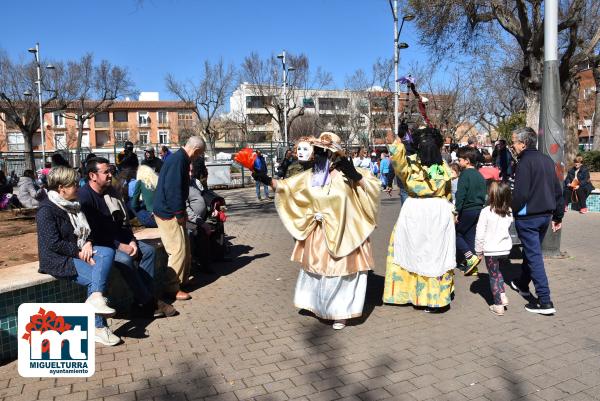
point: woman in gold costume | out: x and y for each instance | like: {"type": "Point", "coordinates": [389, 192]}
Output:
{"type": "Point", "coordinates": [331, 210]}
{"type": "Point", "coordinates": [422, 251]}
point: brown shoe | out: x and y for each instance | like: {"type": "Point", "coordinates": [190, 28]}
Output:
{"type": "Point", "coordinates": [164, 309]}
{"type": "Point", "coordinates": [182, 296]}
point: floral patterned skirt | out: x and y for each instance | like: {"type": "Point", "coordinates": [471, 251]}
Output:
{"type": "Point", "coordinates": [404, 287]}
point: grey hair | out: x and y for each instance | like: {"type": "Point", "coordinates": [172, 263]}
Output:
{"type": "Point", "coordinates": [195, 142]}
{"type": "Point", "coordinates": [527, 136]}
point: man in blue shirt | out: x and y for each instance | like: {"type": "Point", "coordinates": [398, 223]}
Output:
{"type": "Point", "coordinates": [170, 213]}
{"type": "Point", "coordinates": [260, 167]}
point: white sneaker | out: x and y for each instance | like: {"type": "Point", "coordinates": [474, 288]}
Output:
{"type": "Point", "coordinates": [339, 324]}
{"type": "Point", "coordinates": [106, 337]}
{"type": "Point", "coordinates": [99, 305]}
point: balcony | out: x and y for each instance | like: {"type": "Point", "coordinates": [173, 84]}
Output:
{"type": "Point", "coordinates": [164, 124]}
{"type": "Point", "coordinates": [102, 124]}
{"type": "Point", "coordinates": [120, 124]}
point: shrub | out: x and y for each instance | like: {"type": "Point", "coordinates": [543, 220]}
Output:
{"type": "Point", "coordinates": [592, 159]}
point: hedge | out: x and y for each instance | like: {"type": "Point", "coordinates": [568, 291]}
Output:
{"type": "Point", "coordinates": [592, 159]}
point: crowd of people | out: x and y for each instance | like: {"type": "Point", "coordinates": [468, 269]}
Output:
{"type": "Point", "coordinates": [458, 209]}
{"type": "Point", "coordinates": [84, 224]}
{"type": "Point", "coordinates": [460, 205]}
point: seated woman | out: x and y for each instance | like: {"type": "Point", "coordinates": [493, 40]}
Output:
{"type": "Point", "coordinates": [578, 186]}
{"type": "Point", "coordinates": [142, 200]}
{"type": "Point", "coordinates": [27, 190]}
{"type": "Point", "coordinates": [65, 251]}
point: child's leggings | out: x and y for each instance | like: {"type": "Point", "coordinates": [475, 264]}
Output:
{"type": "Point", "coordinates": [496, 279]}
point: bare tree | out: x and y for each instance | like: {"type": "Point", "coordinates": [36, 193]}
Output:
{"type": "Point", "coordinates": [305, 125]}
{"type": "Point", "coordinates": [469, 25]}
{"type": "Point", "coordinates": [596, 114]}
{"type": "Point", "coordinates": [92, 90]}
{"type": "Point", "coordinates": [373, 98]}
{"type": "Point", "coordinates": [265, 78]}
{"type": "Point", "coordinates": [208, 94]}
{"type": "Point", "coordinates": [22, 111]}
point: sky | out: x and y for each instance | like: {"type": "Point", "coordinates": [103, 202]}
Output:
{"type": "Point", "coordinates": [155, 37]}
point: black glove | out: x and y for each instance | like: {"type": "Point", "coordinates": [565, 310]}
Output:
{"type": "Point", "coordinates": [262, 178]}
{"type": "Point", "coordinates": [347, 168]}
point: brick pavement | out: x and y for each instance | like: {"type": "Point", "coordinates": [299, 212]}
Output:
{"type": "Point", "coordinates": [241, 337]}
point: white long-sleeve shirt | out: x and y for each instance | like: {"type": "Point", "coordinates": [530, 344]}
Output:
{"type": "Point", "coordinates": [492, 237]}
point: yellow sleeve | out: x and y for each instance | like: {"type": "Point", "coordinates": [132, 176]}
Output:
{"type": "Point", "coordinates": [401, 167]}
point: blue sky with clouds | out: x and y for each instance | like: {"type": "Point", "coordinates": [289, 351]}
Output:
{"type": "Point", "coordinates": [161, 36]}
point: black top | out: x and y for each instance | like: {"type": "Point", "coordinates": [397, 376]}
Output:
{"type": "Point", "coordinates": [537, 188]}
{"type": "Point", "coordinates": [57, 243]}
{"type": "Point", "coordinates": [154, 163]}
{"type": "Point", "coordinates": [105, 230]}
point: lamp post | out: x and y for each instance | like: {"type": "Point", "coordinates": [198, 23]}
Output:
{"type": "Point", "coordinates": [397, 47]}
{"type": "Point", "coordinates": [285, 102]}
{"type": "Point", "coordinates": [36, 54]}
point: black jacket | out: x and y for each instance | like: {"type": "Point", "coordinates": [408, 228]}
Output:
{"type": "Point", "coordinates": [154, 163]}
{"type": "Point", "coordinates": [538, 190]}
{"type": "Point", "coordinates": [57, 243]}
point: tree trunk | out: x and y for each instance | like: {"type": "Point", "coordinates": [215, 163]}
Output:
{"type": "Point", "coordinates": [596, 119]}
{"type": "Point", "coordinates": [571, 135]}
{"type": "Point", "coordinates": [29, 160]}
{"type": "Point", "coordinates": [532, 102]}
{"type": "Point", "coordinates": [79, 139]}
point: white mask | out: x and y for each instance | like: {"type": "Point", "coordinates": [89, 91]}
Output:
{"type": "Point", "coordinates": [305, 151]}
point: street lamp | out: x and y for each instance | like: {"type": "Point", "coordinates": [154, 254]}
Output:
{"type": "Point", "coordinates": [36, 54]}
{"type": "Point", "coordinates": [286, 70]}
{"type": "Point", "coordinates": [397, 47]}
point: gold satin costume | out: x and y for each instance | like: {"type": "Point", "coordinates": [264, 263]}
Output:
{"type": "Point", "coordinates": [331, 224]}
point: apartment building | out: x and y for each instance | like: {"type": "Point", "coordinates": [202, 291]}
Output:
{"type": "Point", "coordinates": [144, 122]}
{"type": "Point", "coordinates": [351, 114]}
{"type": "Point", "coordinates": [585, 107]}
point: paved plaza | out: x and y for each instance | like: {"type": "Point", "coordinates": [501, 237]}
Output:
{"type": "Point", "coordinates": [240, 337]}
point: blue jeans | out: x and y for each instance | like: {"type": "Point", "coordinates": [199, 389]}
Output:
{"type": "Point", "coordinates": [531, 232]}
{"type": "Point", "coordinates": [146, 218]}
{"type": "Point", "coordinates": [257, 185]}
{"type": "Point", "coordinates": [403, 193]}
{"type": "Point", "coordinates": [465, 232]}
{"type": "Point", "coordinates": [140, 280]}
{"type": "Point", "coordinates": [95, 277]}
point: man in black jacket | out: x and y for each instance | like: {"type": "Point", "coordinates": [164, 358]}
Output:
{"type": "Point", "coordinates": [110, 228]}
{"type": "Point", "coordinates": [537, 202]}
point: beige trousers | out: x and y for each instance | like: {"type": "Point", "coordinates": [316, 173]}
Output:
{"type": "Point", "coordinates": [176, 241]}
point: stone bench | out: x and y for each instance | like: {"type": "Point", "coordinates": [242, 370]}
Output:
{"type": "Point", "coordinates": [23, 284]}
{"type": "Point", "coordinates": [593, 201]}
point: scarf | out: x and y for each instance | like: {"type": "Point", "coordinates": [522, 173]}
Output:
{"type": "Point", "coordinates": [320, 176]}
{"type": "Point", "coordinates": [81, 228]}
{"type": "Point", "coordinates": [116, 208]}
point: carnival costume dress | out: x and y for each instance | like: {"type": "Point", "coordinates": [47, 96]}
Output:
{"type": "Point", "coordinates": [421, 252]}
{"type": "Point", "coordinates": [331, 222]}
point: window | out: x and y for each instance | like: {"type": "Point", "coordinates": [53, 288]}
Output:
{"type": "Point", "coordinates": [101, 120]}
{"type": "Point", "coordinates": [163, 117]}
{"type": "Point", "coordinates": [143, 137]}
{"type": "Point", "coordinates": [257, 102]}
{"type": "Point", "coordinates": [60, 141]}
{"type": "Point", "coordinates": [120, 116]}
{"type": "Point", "coordinates": [59, 120]}
{"type": "Point", "coordinates": [333, 103]}
{"type": "Point", "coordinates": [362, 121]}
{"type": "Point", "coordinates": [121, 136]}
{"type": "Point", "coordinates": [143, 118]}
{"type": "Point", "coordinates": [16, 141]}
{"type": "Point", "coordinates": [163, 137]}
{"type": "Point", "coordinates": [184, 115]}
{"type": "Point", "coordinates": [308, 102]}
